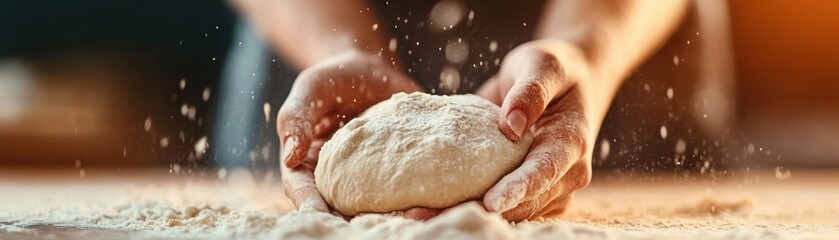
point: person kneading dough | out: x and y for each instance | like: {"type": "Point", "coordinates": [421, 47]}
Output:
{"type": "Point", "coordinates": [417, 150]}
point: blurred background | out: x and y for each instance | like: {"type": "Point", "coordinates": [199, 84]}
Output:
{"type": "Point", "coordinates": [187, 86]}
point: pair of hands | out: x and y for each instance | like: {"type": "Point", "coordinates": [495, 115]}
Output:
{"type": "Point", "coordinates": [542, 86]}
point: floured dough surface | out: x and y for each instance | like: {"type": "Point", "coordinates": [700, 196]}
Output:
{"type": "Point", "coordinates": [417, 150]}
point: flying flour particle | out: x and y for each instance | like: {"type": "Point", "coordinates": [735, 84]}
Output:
{"type": "Point", "coordinates": [147, 124]}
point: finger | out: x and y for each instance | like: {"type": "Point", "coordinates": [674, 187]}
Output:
{"type": "Point", "coordinates": [554, 200]}
{"type": "Point", "coordinates": [299, 185]}
{"type": "Point", "coordinates": [558, 143]}
{"type": "Point", "coordinates": [536, 82]}
{"type": "Point", "coordinates": [489, 91]}
{"type": "Point", "coordinates": [299, 182]}
{"type": "Point", "coordinates": [556, 207]}
{"type": "Point", "coordinates": [526, 209]}
{"type": "Point", "coordinates": [539, 171]}
{"type": "Point", "coordinates": [421, 213]}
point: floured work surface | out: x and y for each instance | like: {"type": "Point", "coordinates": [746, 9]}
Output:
{"type": "Point", "coordinates": [157, 205]}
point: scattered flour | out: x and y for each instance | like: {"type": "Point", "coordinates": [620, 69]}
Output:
{"type": "Point", "coordinates": [241, 208]}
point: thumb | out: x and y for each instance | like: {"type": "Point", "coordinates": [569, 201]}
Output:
{"type": "Point", "coordinates": [296, 121]}
{"type": "Point", "coordinates": [295, 131]}
{"type": "Point", "coordinates": [533, 89]}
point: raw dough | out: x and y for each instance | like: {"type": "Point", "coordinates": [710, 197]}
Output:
{"type": "Point", "coordinates": [417, 150]}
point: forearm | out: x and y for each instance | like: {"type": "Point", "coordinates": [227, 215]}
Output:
{"type": "Point", "coordinates": [615, 36]}
{"type": "Point", "coordinates": [309, 31]}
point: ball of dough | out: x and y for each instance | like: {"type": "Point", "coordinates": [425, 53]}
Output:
{"type": "Point", "coordinates": [417, 150]}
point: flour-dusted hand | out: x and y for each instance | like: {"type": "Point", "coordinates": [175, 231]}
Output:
{"type": "Point", "coordinates": [561, 87]}
{"type": "Point", "coordinates": [323, 97]}
{"type": "Point", "coordinates": [542, 87]}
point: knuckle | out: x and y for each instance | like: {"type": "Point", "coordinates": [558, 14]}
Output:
{"type": "Point", "coordinates": [535, 91]}
{"type": "Point", "coordinates": [585, 181]}
{"type": "Point", "coordinates": [548, 64]}
{"type": "Point", "coordinates": [521, 212]}
{"type": "Point", "coordinates": [291, 124]}
{"type": "Point", "coordinates": [550, 166]}
{"type": "Point", "coordinates": [580, 176]}
{"type": "Point", "coordinates": [283, 117]}
{"type": "Point", "coordinates": [569, 130]}
{"type": "Point", "coordinates": [310, 78]}
{"type": "Point", "coordinates": [556, 206]}
{"type": "Point", "coordinates": [305, 77]}
{"type": "Point", "coordinates": [535, 52]}
{"type": "Point", "coordinates": [577, 136]}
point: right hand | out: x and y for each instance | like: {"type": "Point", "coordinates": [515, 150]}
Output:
{"type": "Point", "coordinates": [546, 86]}
{"type": "Point", "coordinates": [323, 97]}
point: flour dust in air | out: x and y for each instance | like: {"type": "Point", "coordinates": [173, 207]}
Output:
{"type": "Point", "coordinates": [445, 15]}
{"type": "Point", "coordinates": [147, 124]}
{"type": "Point", "coordinates": [266, 108]}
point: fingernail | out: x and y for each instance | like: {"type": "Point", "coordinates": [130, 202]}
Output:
{"type": "Point", "coordinates": [288, 148]}
{"type": "Point", "coordinates": [510, 198]}
{"type": "Point", "coordinates": [517, 121]}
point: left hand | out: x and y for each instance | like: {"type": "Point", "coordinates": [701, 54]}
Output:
{"type": "Point", "coordinates": [324, 95]}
